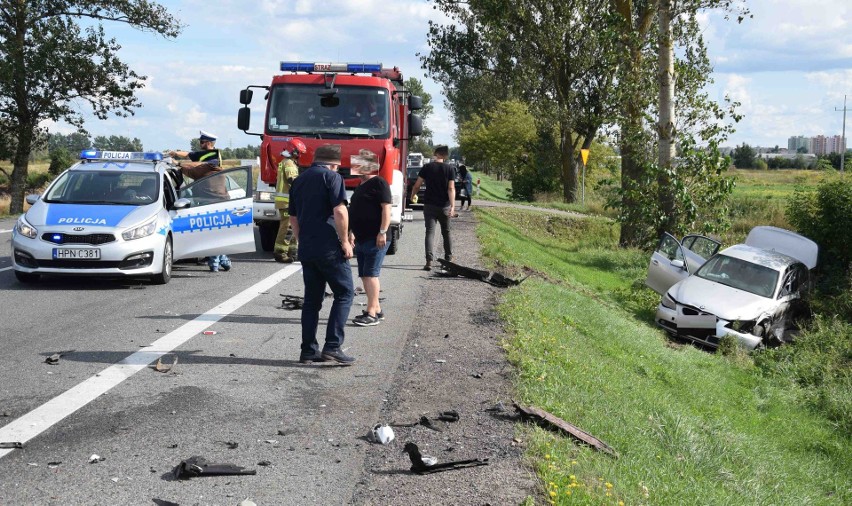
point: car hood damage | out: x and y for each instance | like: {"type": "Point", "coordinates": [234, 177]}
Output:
{"type": "Point", "coordinates": [723, 301]}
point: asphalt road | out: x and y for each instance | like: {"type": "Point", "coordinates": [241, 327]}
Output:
{"type": "Point", "coordinates": [241, 385]}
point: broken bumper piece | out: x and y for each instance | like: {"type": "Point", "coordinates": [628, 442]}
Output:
{"type": "Point", "coordinates": [704, 329]}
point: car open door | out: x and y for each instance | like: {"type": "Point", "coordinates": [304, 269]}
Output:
{"type": "Point", "coordinates": [667, 265]}
{"type": "Point", "coordinates": [219, 219]}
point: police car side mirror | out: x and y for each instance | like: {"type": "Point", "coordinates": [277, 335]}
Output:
{"type": "Point", "coordinates": [32, 199]}
{"type": "Point", "coordinates": [181, 204]}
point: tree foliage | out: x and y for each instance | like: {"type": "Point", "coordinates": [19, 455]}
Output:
{"type": "Point", "coordinates": [50, 65]}
{"type": "Point", "coordinates": [744, 156]}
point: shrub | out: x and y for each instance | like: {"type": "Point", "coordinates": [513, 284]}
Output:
{"type": "Point", "coordinates": [60, 159]}
{"type": "Point", "coordinates": [36, 180]}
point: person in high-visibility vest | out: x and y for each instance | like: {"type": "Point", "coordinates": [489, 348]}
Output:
{"type": "Point", "coordinates": [286, 244]}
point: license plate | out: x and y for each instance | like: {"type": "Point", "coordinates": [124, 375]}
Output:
{"type": "Point", "coordinates": [76, 254]}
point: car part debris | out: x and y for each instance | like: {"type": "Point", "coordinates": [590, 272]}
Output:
{"type": "Point", "coordinates": [498, 408]}
{"type": "Point", "coordinates": [549, 421]}
{"type": "Point", "coordinates": [247, 502]}
{"type": "Point", "coordinates": [292, 302]}
{"type": "Point", "coordinates": [194, 467]}
{"type": "Point", "coordinates": [11, 445]}
{"type": "Point", "coordinates": [264, 463]}
{"type": "Point", "coordinates": [232, 445]}
{"type": "Point", "coordinates": [54, 465]}
{"type": "Point", "coordinates": [420, 466]}
{"type": "Point", "coordinates": [426, 422]}
{"type": "Point", "coordinates": [95, 458]}
{"type": "Point", "coordinates": [381, 434]}
{"type": "Point", "coordinates": [161, 367]}
{"type": "Point", "coordinates": [449, 416]}
{"type": "Point", "coordinates": [53, 359]}
{"type": "Point", "coordinates": [209, 332]}
{"type": "Point", "coordinates": [490, 277]}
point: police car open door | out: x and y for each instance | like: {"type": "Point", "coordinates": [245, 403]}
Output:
{"type": "Point", "coordinates": [219, 219]}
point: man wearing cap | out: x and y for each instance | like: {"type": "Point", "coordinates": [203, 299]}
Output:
{"type": "Point", "coordinates": [203, 163]}
{"type": "Point", "coordinates": [320, 221]}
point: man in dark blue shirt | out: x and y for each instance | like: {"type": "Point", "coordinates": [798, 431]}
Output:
{"type": "Point", "coordinates": [320, 220]}
{"type": "Point", "coordinates": [438, 203]}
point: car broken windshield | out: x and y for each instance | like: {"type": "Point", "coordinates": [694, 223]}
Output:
{"type": "Point", "coordinates": [736, 273]}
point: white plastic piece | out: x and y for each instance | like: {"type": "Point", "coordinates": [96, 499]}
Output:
{"type": "Point", "coordinates": [382, 434]}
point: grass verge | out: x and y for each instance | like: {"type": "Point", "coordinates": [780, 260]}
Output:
{"type": "Point", "coordinates": [691, 427]}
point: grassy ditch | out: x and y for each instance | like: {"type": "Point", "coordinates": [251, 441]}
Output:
{"type": "Point", "coordinates": [691, 427]}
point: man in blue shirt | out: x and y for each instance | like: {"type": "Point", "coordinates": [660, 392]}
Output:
{"type": "Point", "coordinates": [320, 221]}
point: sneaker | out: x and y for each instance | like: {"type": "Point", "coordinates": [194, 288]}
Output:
{"type": "Point", "coordinates": [365, 320]}
{"type": "Point", "coordinates": [311, 359]}
{"type": "Point", "coordinates": [281, 259]}
{"type": "Point", "coordinates": [380, 315]}
{"type": "Point", "coordinates": [428, 266]}
{"type": "Point", "coordinates": [338, 356]}
{"type": "Point", "coordinates": [226, 268]}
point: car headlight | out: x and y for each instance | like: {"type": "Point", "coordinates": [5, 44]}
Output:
{"type": "Point", "coordinates": [264, 196]}
{"type": "Point", "coordinates": [668, 302]}
{"type": "Point", "coordinates": [744, 326]}
{"type": "Point", "coordinates": [141, 231]}
{"type": "Point", "coordinates": [25, 229]}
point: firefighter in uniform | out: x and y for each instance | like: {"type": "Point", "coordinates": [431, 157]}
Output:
{"type": "Point", "coordinates": [286, 245]}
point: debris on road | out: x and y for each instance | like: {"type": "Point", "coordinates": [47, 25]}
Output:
{"type": "Point", "coordinates": [161, 367]}
{"type": "Point", "coordinates": [419, 464]}
{"type": "Point", "coordinates": [549, 421]}
{"type": "Point", "coordinates": [426, 422]}
{"type": "Point", "coordinates": [498, 408]}
{"type": "Point", "coordinates": [449, 416]}
{"type": "Point", "coordinates": [381, 434]}
{"type": "Point", "coordinates": [247, 502]}
{"type": "Point", "coordinates": [209, 332]}
{"type": "Point", "coordinates": [53, 359]}
{"type": "Point", "coordinates": [194, 467]}
{"type": "Point", "coordinates": [11, 445]}
{"type": "Point", "coordinates": [492, 278]}
{"type": "Point", "coordinates": [264, 463]}
{"type": "Point", "coordinates": [232, 445]}
{"type": "Point", "coordinates": [292, 302]}
{"type": "Point", "coordinates": [53, 465]}
{"type": "Point", "coordinates": [95, 458]}
{"type": "Point", "coordinates": [440, 361]}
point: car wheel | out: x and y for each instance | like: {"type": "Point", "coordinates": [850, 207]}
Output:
{"type": "Point", "coordinates": [166, 274]}
{"type": "Point", "coordinates": [268, 233]}
{"type": "Point", "coordinates": [27, 277]}
{"type": "Point", "coordinates": [394, 241]}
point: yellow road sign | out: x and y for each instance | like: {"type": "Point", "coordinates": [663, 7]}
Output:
{"type": "Point", "coordinates": [585, 154]}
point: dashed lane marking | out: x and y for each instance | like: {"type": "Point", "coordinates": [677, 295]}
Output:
{"type": "Point", "coordinates": [48, 414]}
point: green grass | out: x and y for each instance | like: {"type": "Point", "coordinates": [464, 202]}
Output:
{"type": "Point", "coordinates": [691, 427]}
{"type": "Point", "coordinates": [490, 188]}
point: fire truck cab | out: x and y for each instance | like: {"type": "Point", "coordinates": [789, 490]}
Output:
{"type": "Point", "coordinates": [361, 107]}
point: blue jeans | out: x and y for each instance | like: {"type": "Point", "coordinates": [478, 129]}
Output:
{"type": "Point", "coordinates": [216, 261]}
{"type": "Point", "coordinates": [370, 258]}
{"type": "Point", "coordinates": [334, 270]}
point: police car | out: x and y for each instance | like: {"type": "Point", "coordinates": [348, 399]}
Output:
{"type": "Point", "coordinates": [125, 214]}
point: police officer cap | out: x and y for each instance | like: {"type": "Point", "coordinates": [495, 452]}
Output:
{"type": "Point", "coordinates": [206, 136]}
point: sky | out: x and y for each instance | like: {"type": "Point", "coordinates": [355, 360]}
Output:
{"type": "Point", "coordinates": [789, 65]}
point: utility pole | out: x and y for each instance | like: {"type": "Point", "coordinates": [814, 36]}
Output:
{"type": "Point", "coordinates": [843, 136]}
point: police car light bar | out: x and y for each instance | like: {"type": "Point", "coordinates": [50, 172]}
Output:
{"type": "Point", "coordinates": [93, 154]}
{"type": "Point", "coordinates": [353, 68]}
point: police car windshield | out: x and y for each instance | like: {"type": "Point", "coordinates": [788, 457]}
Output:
{"type": "Point", "coordinates": [354, 112]}
{"type": "Point", "coordinates": [105, 187]}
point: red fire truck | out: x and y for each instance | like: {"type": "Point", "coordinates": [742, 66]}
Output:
{"type": "Point", "coordinates": [358, 106]}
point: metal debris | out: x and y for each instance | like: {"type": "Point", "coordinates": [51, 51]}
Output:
{"type": "Point", "coordinates": [449, 416]}
{"type": "Point", "coordinates": [53, 359]}
{"type": "Point", "coordinates": [419, 464]}
{"type": "Point", "coordinates": [161, 367]}
{"type": "Point", "coordinates": [194, 467]}
{"type": "Point", "coordinates": [95, 458]}
{"type": "Point", "coordinates": [13, 445]}
{"type": "Point", "coordinates": [490, 277]}
{"type": "Point", "coordinates": [549, 421]}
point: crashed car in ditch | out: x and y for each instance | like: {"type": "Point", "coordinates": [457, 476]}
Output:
{"type": "Point", "coordinates": [752, 291]}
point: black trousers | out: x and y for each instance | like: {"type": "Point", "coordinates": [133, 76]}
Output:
{"type": "Point", "coordinates": [432, 214]}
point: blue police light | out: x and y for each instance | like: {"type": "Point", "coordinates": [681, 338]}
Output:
{"type": "Point", "coordinates": [57, 237]}
{"type": "Point", "coordinates": [93, 154]}
{"type": "Point", "coordinates": [352, 68]}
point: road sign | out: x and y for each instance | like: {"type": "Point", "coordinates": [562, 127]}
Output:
{"type": "Point", "coordinates": [585, 154]}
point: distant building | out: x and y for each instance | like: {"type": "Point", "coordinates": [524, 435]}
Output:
{"type": "Point", "coordinates": [835, 144]}
{"type": "Point", "coordinates": [799, 141]}
{"type": "Point", "coordinates": [818, 145]}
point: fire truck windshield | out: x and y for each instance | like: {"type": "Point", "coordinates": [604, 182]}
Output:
{"type": "Point", "coordinates": [354, 111]}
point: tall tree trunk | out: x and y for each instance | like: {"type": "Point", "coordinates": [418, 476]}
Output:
{"type": "Point", "coordinates": [665, 124]}
{"type": "Point", "coordinates": [631, 163]}
{"type": "Point", "coordinates": [569, 165]}
{"type": "Point", "coordinates": [21, 163]}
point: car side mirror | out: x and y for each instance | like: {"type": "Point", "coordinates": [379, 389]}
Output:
{"type": "Point", "coordinates": [679, 264]}
{"type": "Point", "coordinates": [32, 199]}
{"type": "Point", "coordinates": [245, 96]}
{"type": "Point", "coordinates": [182, 204]}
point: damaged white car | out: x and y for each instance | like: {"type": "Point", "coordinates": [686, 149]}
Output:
{"type": "Point", "coordinates": [752, 291]}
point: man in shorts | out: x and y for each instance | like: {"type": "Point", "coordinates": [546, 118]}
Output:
{"type": "Point", "coordinates": [369, 219]}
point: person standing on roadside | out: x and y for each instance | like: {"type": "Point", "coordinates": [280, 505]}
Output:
{"type": "Point", "coordinates": [438, 203]}
{"type": "Point", "coordinates": [467, 185]}
{"type": "Point", "coordinates": [202, 163]}
{"type": "Point", "coordinates": [320, 221]}
{"type": "Point", "coordinates": [286, 243]}
{"type": "Point", "coordinates": [370, 215]}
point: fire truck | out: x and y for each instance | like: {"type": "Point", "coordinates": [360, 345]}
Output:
{"type": "Point", "coordinates": [363, 107]}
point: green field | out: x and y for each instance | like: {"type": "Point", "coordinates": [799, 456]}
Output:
{"type": "Point", "coordinates": [690, 427]}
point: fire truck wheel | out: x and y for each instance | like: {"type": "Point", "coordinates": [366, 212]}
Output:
{"type": "Point", "coordinates": [394, 241]}
{"type": "Point", "coordinates": [268, 232]}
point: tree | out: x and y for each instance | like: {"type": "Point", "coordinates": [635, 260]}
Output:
{"type": "Point", "coordinates": [422, 143]}
{"type": "Point", "coordinates": [50, 65]}
{"type": "Point", "coordinates": [117, 143]}
{"type": "Point", "coordinates": [744, 157]}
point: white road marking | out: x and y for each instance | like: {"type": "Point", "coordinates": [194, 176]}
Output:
{"type": "Point", "coordinates": [5, 269]}
{"type": "Point", "coordinates": [5, 231]}
{"type": "Point", "coordinates": [43, 417]}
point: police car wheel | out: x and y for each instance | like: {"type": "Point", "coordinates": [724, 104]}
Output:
{"type": "Point", "coordinates": [27, 277]}
{"type": "Point", "coordinates": [166, 274]}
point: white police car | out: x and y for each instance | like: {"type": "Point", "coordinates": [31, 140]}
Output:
{"type": "Point", "coordinates": [123, 214]}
